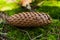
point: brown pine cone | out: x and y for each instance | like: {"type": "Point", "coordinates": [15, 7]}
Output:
{"type": "Point", "coordinates": [29, 19]}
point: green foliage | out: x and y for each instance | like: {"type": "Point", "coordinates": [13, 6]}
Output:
{"type": "Point", "coordinates": [8, 5]}
{"type": "Point", "coordinates": [53, 11]}
{"type": "Point", "coordinates": [52, 3]}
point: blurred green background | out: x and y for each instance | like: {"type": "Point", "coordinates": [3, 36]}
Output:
{"type": "Point", "coordinates": [49, 32]}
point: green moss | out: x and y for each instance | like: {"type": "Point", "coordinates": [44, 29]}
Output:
{"type": "Point", "coordinates": [52, 10]}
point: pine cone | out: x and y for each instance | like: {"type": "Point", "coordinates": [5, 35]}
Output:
{"type": "Point", "coordinates": [29, 19]}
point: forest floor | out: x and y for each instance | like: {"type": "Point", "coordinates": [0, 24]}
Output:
{"type": "Point", "coordinates": [48, 32]}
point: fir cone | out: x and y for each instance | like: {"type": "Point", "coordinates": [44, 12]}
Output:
{"type": "Point", "coordinates": [29, 19]}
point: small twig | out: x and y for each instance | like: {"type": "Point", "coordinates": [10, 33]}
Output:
{"type": "Point", "coordinates": [26, 33]}
{"type": "Point", "coordinates": [37, 37]}
{"type": "Point", "coordinates": [41, 3]}
{"type": "Point", "coordinates": [2, 38]}
{"type": "Point", "coordinates": [3, 34]}
{"type": "Point", "coordinates": [58, 35]}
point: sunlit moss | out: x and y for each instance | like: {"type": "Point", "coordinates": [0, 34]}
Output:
{"type": "Point", "coordinates": [8, 5]}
